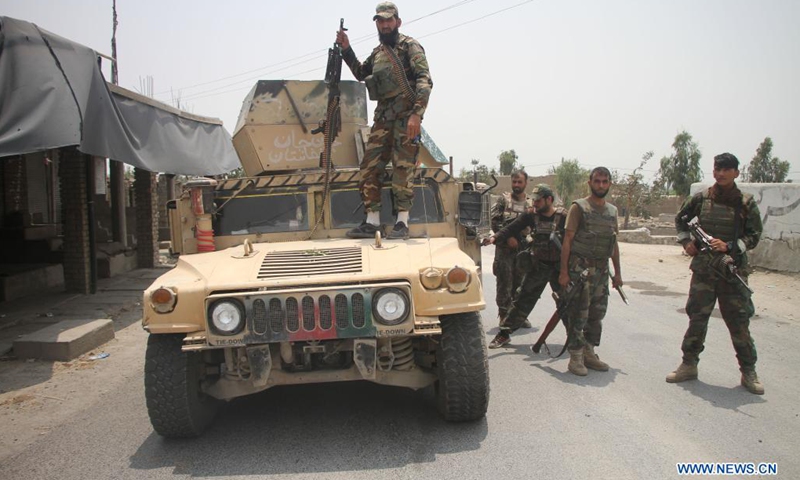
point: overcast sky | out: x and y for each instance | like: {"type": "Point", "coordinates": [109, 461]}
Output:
{"type": "Point", "coordinates": [597, 80]}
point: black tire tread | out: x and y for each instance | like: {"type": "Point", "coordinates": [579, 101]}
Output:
{"type": "Point", "coordinates": [171, 381]}
{"type": "Point", "coordinates": [463, 366]}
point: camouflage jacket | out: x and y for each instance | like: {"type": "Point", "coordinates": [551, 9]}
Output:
{"type": "Point", "coordinates": [415, 65]}
{"type": "Point", "coordinates": [502, 214]}
{"type": "Point", "coordinates": [749, 225]}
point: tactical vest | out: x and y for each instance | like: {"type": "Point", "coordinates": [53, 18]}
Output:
{"type": "Point", "coordinates": [384, 84]}
{"type": "Point", "coordinates": [514, 208]}
{"type": "Point", "coordinates": [718, 220]}
{"type": "Point", "coordinates": [598, 235]}
{"type": "Point", "coordinates": [543, 248]}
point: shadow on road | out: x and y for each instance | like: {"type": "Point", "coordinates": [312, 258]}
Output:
{"type": "Point", "coordinates": [729, 398]}
{"type": "Point", "coordinates": [315, 428]}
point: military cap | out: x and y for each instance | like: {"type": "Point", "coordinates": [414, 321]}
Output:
{"type": "Point", "coordinates": [386, 10]}
{"type": "Point", "coordinates": [726, 160]}
{"type": "Point", "coordinates": [542, 191]}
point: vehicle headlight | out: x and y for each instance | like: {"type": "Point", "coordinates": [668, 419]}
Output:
{"type": "Point", "coordinates": [431, 278]}
{"type": "Point", "coordinates": [458, 279]}
{"type": "Point", "coordinates": [227, 317]}
{"type": "Point", "coordinates": [163, 299]}
{"type": "Point", "coordinates": [390, 306]}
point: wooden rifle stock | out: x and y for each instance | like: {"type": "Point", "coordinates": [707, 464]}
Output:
{"type": "Point", "coordinates": [548, 329]}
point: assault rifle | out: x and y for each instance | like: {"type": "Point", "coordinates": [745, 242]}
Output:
{"type": "Point", "coordinates": [562, 302]}
{"type": "Point", "coordinates": [331, 126]}
{"type": "Point", "coordinates": [722, 263]}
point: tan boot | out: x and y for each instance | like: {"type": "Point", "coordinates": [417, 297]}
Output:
{"type": "Point", "coordinates": [751, 382]}
{"type": "Point", "coordinates": [592, 361]}
{"type": "Point", "coordinates": [576, 365]}
{"type": "Point", "coordinates": [682, 373]}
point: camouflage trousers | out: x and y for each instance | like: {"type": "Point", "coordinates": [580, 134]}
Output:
{"type": "Point", "coordinates": [528, 293]}
{"type": "Point", "coordinates": [507, 278]}
{"type": "Point", "coordinates": [588, 308]}
{"type": "Point", "coordinates": [736, 307]}
{"type": "Point", "coordinates": [388, 144]}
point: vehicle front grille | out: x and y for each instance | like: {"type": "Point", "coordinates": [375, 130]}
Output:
{"type": "Point", "coordinates": [310, 315]}
{"type": "Point", "coordinates": [311, 262]}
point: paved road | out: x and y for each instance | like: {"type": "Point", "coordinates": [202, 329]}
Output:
{"type": "Point", "coordinates": [542, 422]}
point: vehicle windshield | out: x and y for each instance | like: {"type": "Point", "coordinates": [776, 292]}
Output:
{"type": "Point", "coordinates": [348, 211]}
{"type": "Point", "coordinates": [262, 213]}
{"type": "Point", "coordinates": [276, 212]}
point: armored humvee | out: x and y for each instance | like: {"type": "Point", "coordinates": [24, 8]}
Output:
{"type": "Point", "coordinates": [268, 290]}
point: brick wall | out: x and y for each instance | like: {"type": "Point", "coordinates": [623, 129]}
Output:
{"type": "Point", "coordinates": [72, 179]}
{"type": "Point", "coordinates": [15, 199]}
{"type": "Point", "coordinates": [146, 195]}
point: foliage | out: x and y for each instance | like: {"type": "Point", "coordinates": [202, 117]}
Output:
{"type": "Point", "coordinates": [484, 173]}
{"type": "Point", "coordinates": [571, 180]}
{"type": "Point", "coordinates": [765, 168]}
{"type": "Point", "coordinates": [681, 169]}
{"type": "Point", "coordinates": [508, 161]}
{"type": "Point", "coordinates": [631, 194]}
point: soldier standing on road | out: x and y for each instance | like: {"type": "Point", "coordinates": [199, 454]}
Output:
{"type": "Point", "coordinates": [545, 223]}
{"type": "Point", "coordinates": [397, 76]}
{"type": "Point", "coordinates": [733, 219]}
{"type": "Point", "coordinates": [505, 210]}
{"type": "Point", "coordinates": [589, 241]}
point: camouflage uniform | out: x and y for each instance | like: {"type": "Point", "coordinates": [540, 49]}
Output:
{"type": "Point", "coordinates": [543, 257]}
{"type": "Point", "coordinates": [717, 216]}
{"type": "Point", "coordinates": [504, 211]}
{"type": "Point", "coordinates": [593, 245]}
{"type": "Point", "coordinates": [387, 141]}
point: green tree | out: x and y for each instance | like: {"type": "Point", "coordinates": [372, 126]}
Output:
{"type": "Point", "coordinates": [483, 172]}
{"type": "Point", "coordinates": [765, 168]}
{"type": "Point", "coordinates": [571, 179]}
{"type": "Point", "coordinates": [632, 193]}
{"type": "Point", "coordinates": [681, 169]}
{"type": "Point", "coordinates": [508, 161]}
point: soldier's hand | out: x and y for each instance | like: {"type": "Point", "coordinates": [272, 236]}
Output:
{"type": "Point", "coordinates": [690, 249]}
{"type": "Point", "coordinates": [718, 245]}
{"type": "Point", "coordinates": [616, 281]}
{"type": "Point", "coordinates": [342, 39]}
{"type": "Point", "coordinates": [488, 240]}
{"type": "Point", "coordinates": [563, 279]}
{"type": "Point", "coordinates": [512, 243]}
{"type": "Point", "coordinates": [413, 126]}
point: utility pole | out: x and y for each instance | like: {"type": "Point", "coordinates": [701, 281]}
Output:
{"type": "Point", "coordinates": [118, 222]}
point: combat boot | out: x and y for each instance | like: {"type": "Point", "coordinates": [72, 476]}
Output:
{"type": "Point", "coordinates": [682, 373]}
{"type": "Point", "coordinates": [751, 382]}
{"type": "Point", "coordinates": [591, 360]}
{"type": "Point", "coordinates": [576, 365]}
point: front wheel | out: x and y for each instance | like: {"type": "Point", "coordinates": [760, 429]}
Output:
{"type": "Point", "coordinates": [177, 406]}
{"type": "Point", "coordinates": [462, 390]}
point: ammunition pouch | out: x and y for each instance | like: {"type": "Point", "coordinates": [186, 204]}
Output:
{"type": "Point", "coordinates": [372, 87]}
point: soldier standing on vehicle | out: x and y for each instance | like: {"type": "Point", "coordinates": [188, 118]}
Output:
{"type": "Point", "coordinates": [397, 76]}
{"type": "Point", "coordinates": [547, 225]}
{"type": "Point", "coordinates": [505, 210]}
{"type": "Point", "coordinates": [589, 241]}
{"type": "Point", "coordinates": [733, 220]}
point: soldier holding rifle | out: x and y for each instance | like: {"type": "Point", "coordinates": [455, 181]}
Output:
{"type": "Point", "coordinates": [397, 76]}
{"type": "Point", "coordinates": [733, 225]}
{"type": "Point", "coordinates": [590, 240]}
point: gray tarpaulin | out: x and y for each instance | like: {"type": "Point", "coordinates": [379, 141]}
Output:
{"type": "Point", "coordinates": [53, 94]}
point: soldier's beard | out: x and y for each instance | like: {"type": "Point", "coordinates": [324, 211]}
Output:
{"type": "Point", "coordinates": [389, 38]}
{"type": "Point", "coordinates": [599, 193]}
{"type": "Point", "coordinates": [517, 191]}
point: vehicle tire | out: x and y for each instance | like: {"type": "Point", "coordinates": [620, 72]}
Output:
{"type": "Point", "coordinates": [175, 403]}
{"type": "Point", "coordinates": [462, 390]}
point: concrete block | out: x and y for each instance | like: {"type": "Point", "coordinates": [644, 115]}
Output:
{"type": "Point", "coordinates": [113, 265]}
{"type": "Point", "coordinates": [65, 340]}
{"type": "Point", "coordinates": [31, 280]}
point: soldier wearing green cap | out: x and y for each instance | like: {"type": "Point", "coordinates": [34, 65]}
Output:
{"type": "Point", "coordinates": [546, 224]}
{"type": "Point", "coordinates": [733, 220]}
{"type": "Point", "coordinates": [397, 76]}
